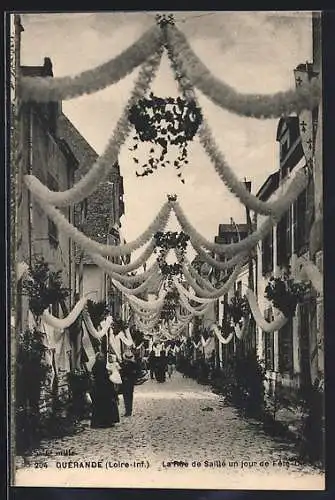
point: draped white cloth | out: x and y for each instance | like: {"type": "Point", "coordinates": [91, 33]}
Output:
{"type": "Point", "coordinates": [266, 326]}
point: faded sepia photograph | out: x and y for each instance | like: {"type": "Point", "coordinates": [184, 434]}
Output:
{"type": "Point", "coordinates": [166, 214]}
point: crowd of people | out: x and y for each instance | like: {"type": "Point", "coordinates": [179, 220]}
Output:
{"type": "Point", "coordinates": [161, 364]}
{"type": "Point", "coordinates": [112, 377]}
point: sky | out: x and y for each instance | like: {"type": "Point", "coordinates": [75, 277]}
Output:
{"type": "Point", "coordinates": [254, 52]}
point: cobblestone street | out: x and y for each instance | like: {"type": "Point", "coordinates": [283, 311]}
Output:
{"type": "Point", "coordinates": [176, 421]}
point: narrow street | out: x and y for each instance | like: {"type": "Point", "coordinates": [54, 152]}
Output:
{"type": "Point", "coordinates": [180, 435]}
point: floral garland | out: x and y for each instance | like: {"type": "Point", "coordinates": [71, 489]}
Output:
{"type": "Point", "coordinates": [125, 279]}
{"type": "Point", "coordinates": [167, 241]}
{"type": "Point", "coordinates": [124, 268]}
{"type": "Point", "coordinates": [100, 169]}
{"type": "Point", "coordinates": [194, 278]}
{"type": "Point", "coordinates": [190, 296]}
{"type": "Point", "coordinates": [297, 186]}
{"type": "Point", "coordinates": [171, 304]}
{"type": "Point", "coordinates": [104, 325]}
{"type": "Point", "coordinates": [92, 246]}
{"type": "Point", "coordinates": [62, 323]}
{"type": "Point", "coordinates": [59, 89]}
{"type": "Point", "coordinates": [252, 105]}
{"type": "Point", "coordinates": [218, 291]}
{"type": "Point", "coordinates": [214, 328]}
{"type": "Point", "coordinates": [150, 305]}
{"type": "Point", "coordinates": [222, 168]}
{"type": "Point", "coordinates": [164, 122]}
{"type": "Point", "coordinates": [196, 311]}
{"type": "Point", "coordinates": [222, 266]}
{"type": "Point", "coordinates": [138, 290]}
{"type": "Point", "coordinates": [266, 326]}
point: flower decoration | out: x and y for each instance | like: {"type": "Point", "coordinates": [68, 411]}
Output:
{"type": "Point", "coordinates": [238, 308]}
{"type": "Point", "coordinates": [164, 122]}
{"type": "Point", "coordinates": [170, 306]}
{"type": "Point", "coordinates": [285, 293]}
{"type": "Point", "coordinates": [165, 242]}
{"type": "Point", "coordinates": [43, 287]}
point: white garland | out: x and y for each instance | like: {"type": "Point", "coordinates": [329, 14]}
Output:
{"type": "Point", "coordinates": [193, 273]}
{"type": "Point", "coordinates": [204, 342]}
{"type": "Point", "coordinates": [222, 339]}
{"type": "Point", "coordinates": [126, 338]}
{"type": "Point", "coordinates": [151, 305]}
{"type": "Point", "coordinates": [223, 266]}
{"type": "Point", "coordinates": [253, 105]}
{"type": "Point", "coordinates": [127, 268]}
{"type": "Point", "coordinates": [101, 168]}
{"type": "Point", "coordinates": [104, 326]}
{"type": "Point", "coordinates": [92, 246]}
{"type": "Point", "coordinates": [189, 295]}
{"type": "Point", "coordinates": [298, 184]}
{"type": "Point", "coordinates": [266, 326]}
{"type": "Point", "coordinates": [137, 290]}
{"type": "Point", "coordinates": [219, 291]}
{"type": "Point", "coordinates": [224, 171]}
{"type": "Point", "coordinates": [63, 323]}
{"type": "Point", "coordinates": [200, 311]}
{"type": "Point", "coordinates": [45, 89]}
{"type": "Point", "coordinates": [124, 279]}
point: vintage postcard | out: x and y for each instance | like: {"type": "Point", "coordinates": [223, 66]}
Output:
{"type": "Point", "coordinates": [167, 250]}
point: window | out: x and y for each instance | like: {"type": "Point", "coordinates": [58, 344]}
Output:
{"type": "Point", "coordinates": [268, 342]}
{"type": "Point", "coordinates": [303, 210]}
{"type": "Point", "coordinates": [285, 346]}
{"type": "Point", "coordinates": [52, 228]}
{"type": "Point", "coordinates": [284, 240]}
{"type": "Point", "coordinates": [267, 253]}
{"type": "Point", "coordinates": [239, 289]}
{"type": "Point", "coordinates": [284, 145]}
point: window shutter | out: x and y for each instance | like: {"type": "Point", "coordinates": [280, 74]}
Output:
{"type": "Point", "coordinates": [286, 347]}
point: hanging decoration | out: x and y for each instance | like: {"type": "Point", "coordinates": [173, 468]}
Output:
{"type": "Point", "coordinates": [265, 325]}
{"type": "Point", "coordinates": [45, 89]}
{"type": "Point", "coordinates": [164, 242]}
{"type": "Point", "coordinates": [164, 122]}
{"type": "Point", "coordinates": [223, 340]}
{"type": "Point", "coordinates": [237, 308]}
{"type": "Point", "coordinates": [285, 293]}
{"type": "Point", "coordinates": [62, 323]}
{"type": "Point", "coordinates": [224, 171]}
{"type": "Point", "coordinates": [261, 106]}
{"type": "Point", "coordinates": [170, 306]}
{"type": "Point", "coordinates": [43, 287]}
{"type": "Point", "coordinates": [101, 168]}
{"type": "Point", "coordinates": [92, 246]}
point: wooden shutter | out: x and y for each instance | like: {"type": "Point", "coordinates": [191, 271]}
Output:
{"type": "Point", "coordinates": [285, 344]}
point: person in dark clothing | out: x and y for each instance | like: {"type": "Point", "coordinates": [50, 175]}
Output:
{"type": "Point", "coordinates": [161, 367]}
{"type": "Point", "coordinates": [171, 362]}
{"type": "Point", "coordinates": [152, 363]}
{"type": "Point", "coordinates": [105, 412]}
{"type": "Point", "coordinates": [129, 375]}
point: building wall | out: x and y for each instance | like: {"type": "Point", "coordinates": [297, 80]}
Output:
{"type": "Point", "coordinates": [93, 282]}
{"type": "Point", "coordinates": [43, 157]}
